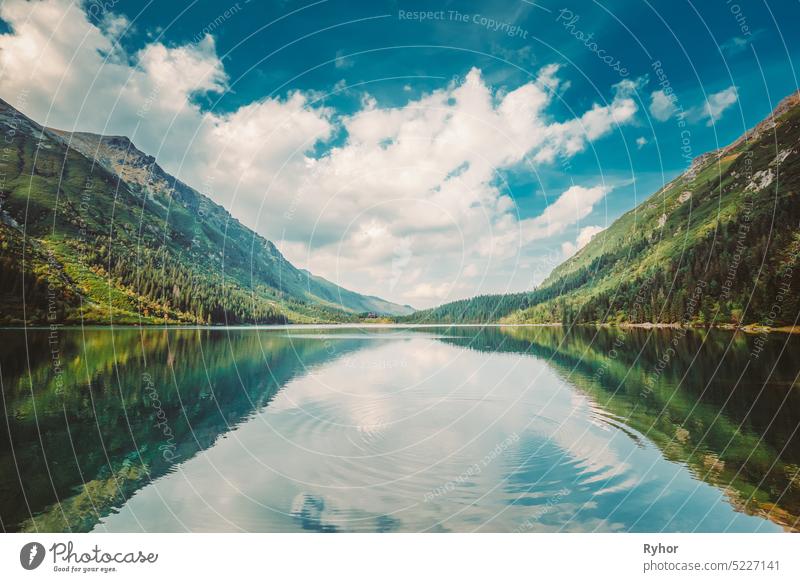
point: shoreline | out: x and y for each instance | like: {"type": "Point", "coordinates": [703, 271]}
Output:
{"type": "Point", "coordinates": [751, 328]}
{"type": "Point", "coordinates": [748, 329]}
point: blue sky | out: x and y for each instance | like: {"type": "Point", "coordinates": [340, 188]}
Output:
{"type": "Point", "coordinates": [327, 63]}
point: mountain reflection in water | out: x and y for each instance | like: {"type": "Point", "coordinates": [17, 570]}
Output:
{"type": "Point", "coordinates": [398, 429]}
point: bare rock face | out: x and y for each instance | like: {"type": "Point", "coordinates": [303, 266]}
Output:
{"type": "Point", "coordinates": [138, 170]}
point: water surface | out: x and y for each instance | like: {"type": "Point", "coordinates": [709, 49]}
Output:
{"type": "Point", "coordinates": [398, 429]}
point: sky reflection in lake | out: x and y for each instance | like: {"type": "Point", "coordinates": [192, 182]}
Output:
{"type": "Point", "coordinates": [462, 429]}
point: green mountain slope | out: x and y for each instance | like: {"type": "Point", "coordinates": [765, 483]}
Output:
{"type": "Point", "coordinates": [717, 245]}
{"type": "Point", "coordinates": [92, 229]}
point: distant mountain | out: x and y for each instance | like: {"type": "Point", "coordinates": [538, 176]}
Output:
{"type": "Point", "coordinates": [717, 245]}
{"type": "Point", "coordinates": [93, 229]}
{"type": "Point", "coordinates": [142, 173]}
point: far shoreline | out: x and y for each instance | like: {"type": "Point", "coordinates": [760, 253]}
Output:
{"type": "Point", "coordinates": [751, 329]}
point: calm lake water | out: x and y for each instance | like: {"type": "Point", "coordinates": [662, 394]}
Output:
{"type": "Point", "coordinates": [398, 429]}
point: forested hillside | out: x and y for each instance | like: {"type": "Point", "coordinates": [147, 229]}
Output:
{"type": "Point", "coordinates": [93, 230]}
{"type": "Point", "coordinates": [717, 245]}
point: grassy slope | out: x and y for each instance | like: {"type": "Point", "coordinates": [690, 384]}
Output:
{"type": "Point", "coordinates": [79, 242]}
{"type": "Point", "coordinates": [635, 247]}
{"type": "Point", "coordinates": [246, 256]}
{"type": "Point", "coordinates": [669, 238]}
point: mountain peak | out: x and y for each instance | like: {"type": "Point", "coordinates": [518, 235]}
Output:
{"type": "Point", "coordinates": [139, 245]}
{"type": "Point", "coordinates": [113, 150]}
{"type": "Point", "coordinates": [767, 124]}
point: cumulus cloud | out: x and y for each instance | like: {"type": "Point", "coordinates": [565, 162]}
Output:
{"type": "Point", "coordinates": [662, 106]}
{"type": "Point", "coordinates": [67, 72]}
{"type": "Point", "coordinates": [585, 235]}
{"type": "Point", "coordinates": [406, 206]}
{"type": "Point", "coordinates": [716, 104]}
{"type": "Point", "coordinates": [570, 208]}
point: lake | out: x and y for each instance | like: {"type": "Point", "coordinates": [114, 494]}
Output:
{"type": "Point", "coordinates": [381, 429]}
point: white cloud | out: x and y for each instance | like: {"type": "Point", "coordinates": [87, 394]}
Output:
{"type": "Point", "coordinates": [641, 141]}
{"type": "Point", "coordinates": [734, 45]}
{"type": "Point", "coordinates": [715, 106]}
{"type": "Point", "coordinates": [737, 44]}
{"type": "Point", "coordinates": [114, 25]}
{"type": "Point", "coordinates": [471, 270]}
{"type": "Point", "coordinates": [342, 62]}
{"type": "Point", "coordinates": [405, 208]}
{"type": "Point", "coordinates": [662, 106]}
{"type": "Point", "coordinates": [427, 292]}
{"type": "Point", "coordinates": [585, 235]}
{"type": "Point", "coordinates": [570, 208]}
